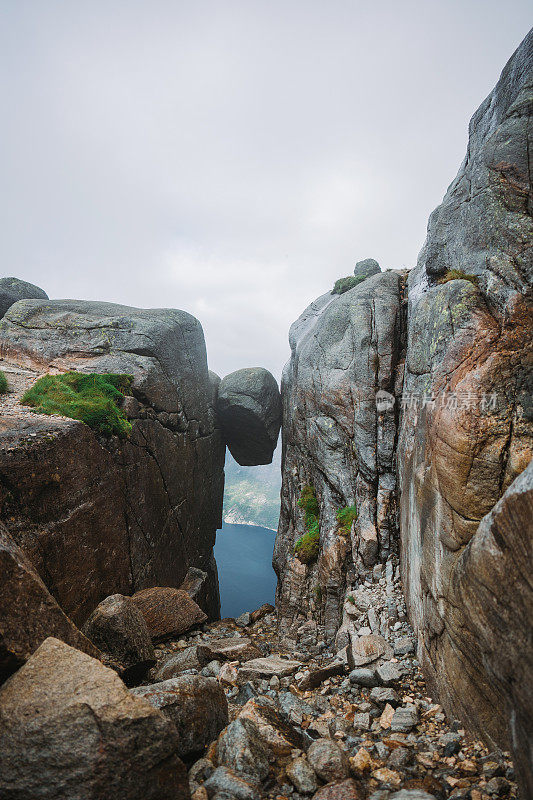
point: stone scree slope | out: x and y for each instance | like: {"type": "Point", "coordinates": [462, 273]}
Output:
{"type": "Point", "coordinates": [443, 466]}
{"type": "Point", "coordinates": [98, 515]}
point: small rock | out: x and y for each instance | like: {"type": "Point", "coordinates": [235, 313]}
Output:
{"type": "Point", "coordinates": [361, 721]}
{"type": "Point", "coordinates": [412, 794]}
{"type": "Point", "coordinates": [241, 748]}
{"type": "Point", "coordinates": [364, 677]}
{"type": "Point", "coordinates": [451, 742]}
{"type": "Point", "coordinates": [343, 790]}
{"type": "Point", "coordinates": [361, 762]}
{"type": "Point", "coordinates": [328, 760]}
{"type": "Point", "coordinates": [225, 782]}
{"type": "Point", "coordinates": [404, 719]}
{"type": "Point", "coordinates": [381, 695]}
{"type": "Point", "coordinates": [403, 646]}
{"type": "Point", "coordinates": [318, 675]}
{"type": "Point", "coordinates": [387, 716]}
{"type": "Point", "coordinates": [388, 777]}
{"type": "Point", "coordinates": [175, 664]}
{"type": "Point", "coordinates": [302, 776]}
{"type": "Point", "coordinates": [400, 758]}
{"type": "Point", "coordinates": [245, 693]}
{"type": "Point", "coordinates": [365, 649]}
{"type": "Point", "coordinates": [266, 667]}
{"type": "Point", "coordinates": [274, 728]}
{"type": "Point", "coordinates": [243, 620]}
{"type": "Point", "coordinates": [201, 770]}
{"type": "Point", "coordinates": [261, 612]}
{"type": "Point", "coordinates": [232, 648]}
{"type": "Point", "coordinates": [389, 673]}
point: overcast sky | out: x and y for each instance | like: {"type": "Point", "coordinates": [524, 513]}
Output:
{"type": "Point", "coordinates": [233, 158]}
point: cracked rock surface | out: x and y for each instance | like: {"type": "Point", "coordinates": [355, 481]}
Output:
{"type": "Point", "coordinates": [467, 428]}
{"type": "Point", "coordinates": [99, 516]}
{"type": "Point", "coordinates": [344, 349]}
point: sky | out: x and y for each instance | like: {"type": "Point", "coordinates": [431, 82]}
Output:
{"type": "Point", "coordinates": [233, 158]}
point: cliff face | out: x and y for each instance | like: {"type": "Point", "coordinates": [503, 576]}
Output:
{"type": "Point", "coordinates": [458, 471]}
{"type": "Point", "coordinates": [344, 349]}
{"type": "Point", "coordinates": [467, 428]}
{"type": "Point", "coordinates": [101, 515]}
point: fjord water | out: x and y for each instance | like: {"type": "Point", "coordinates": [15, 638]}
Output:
{"type": "Point", "coordinates": [244, 559]}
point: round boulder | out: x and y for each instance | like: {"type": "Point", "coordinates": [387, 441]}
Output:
{"type": "Point", "coordinates": [13, 289]}
{"type": "Point", "coordinates": [249, 410]}
{"type": "Point", "coordinates": [366, 268]}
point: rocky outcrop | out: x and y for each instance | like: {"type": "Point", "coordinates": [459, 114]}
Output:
{"type": "Point", "coordinates": [249, 409]}
{"type": "Point", "coordinates": [28, 612]}
{"type": "Point", "coordinates": [13, 289]}
{"type": "Point", "coordinates": [98, 515]}
{"type": "Point", "coordinates": [452, 470]}
{"type": "Point", "coordinates": [70, 730]}
{"type": "Point", "coordinates": [467, 425]}
{"type": "Point", "coordinates": [345, 349]}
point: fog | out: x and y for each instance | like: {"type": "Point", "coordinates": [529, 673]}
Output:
{"type": "Point", "coordinates": [233, 158]}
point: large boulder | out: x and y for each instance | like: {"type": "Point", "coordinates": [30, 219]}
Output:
{"type": "Point", "coordinates": [13, 289]}
{"type": "Point", "coordinates": [100, 515]}
{"type": "Point", "coordinates": [196, 705]}
{"type": "Point", "coordinates": [345, 349]}
{"type": "Point", "coordinates": [467, 426]}
{"type": "Point", "coordinates": [167, 611]}
{"type": "Point", "coordinates": [70, 730]}
{"type": "Point", "coordinates": [249, 409]}
{"type": "Point", "coordinates": [28, 612]}
{"type": "Point", "coordinates": [118, 628]}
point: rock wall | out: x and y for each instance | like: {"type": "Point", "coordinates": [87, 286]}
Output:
{"type": "Point", "coordinates": [467, 429]}
{"type": "Point", "coordinates": [466, 434]}
{"type": "Point", "coordinates": [99, 515]}
{"type": "Point", "coordinates": [344, 349]}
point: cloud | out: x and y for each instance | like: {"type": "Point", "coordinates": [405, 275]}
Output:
{"type": "Point", "coordinates": [233, 158]}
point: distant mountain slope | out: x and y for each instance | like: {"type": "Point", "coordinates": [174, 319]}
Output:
{"type": "Point", "coordinates": [251, 494]}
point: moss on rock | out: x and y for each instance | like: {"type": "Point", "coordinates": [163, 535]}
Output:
{"type": "Point", "coordinates": [91, 398]}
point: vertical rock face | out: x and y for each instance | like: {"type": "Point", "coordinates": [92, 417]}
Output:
{"type": "Point", "coordinates": [467, 428]}
{"type": "Point", "coordinates": [338, 439]}
{"type": "Point", "coordinates": [101, 515]}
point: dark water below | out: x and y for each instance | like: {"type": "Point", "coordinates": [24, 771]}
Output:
{"type": "Point", "coordinates": [244, 559]}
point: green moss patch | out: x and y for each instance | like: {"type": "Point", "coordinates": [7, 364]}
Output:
{"type": "Point", "coordinates": [344, 284]}
{"type": "Point", "coordinates": [91, 398]}
{"type": "Point", "coordinates": [307, 547]}
{"type": "Point", "coordinates": [3, 383]}
{"type": "Point", "coordinates": [345, 517]}
{"type": "Point", "coordinates": [458, 275]}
